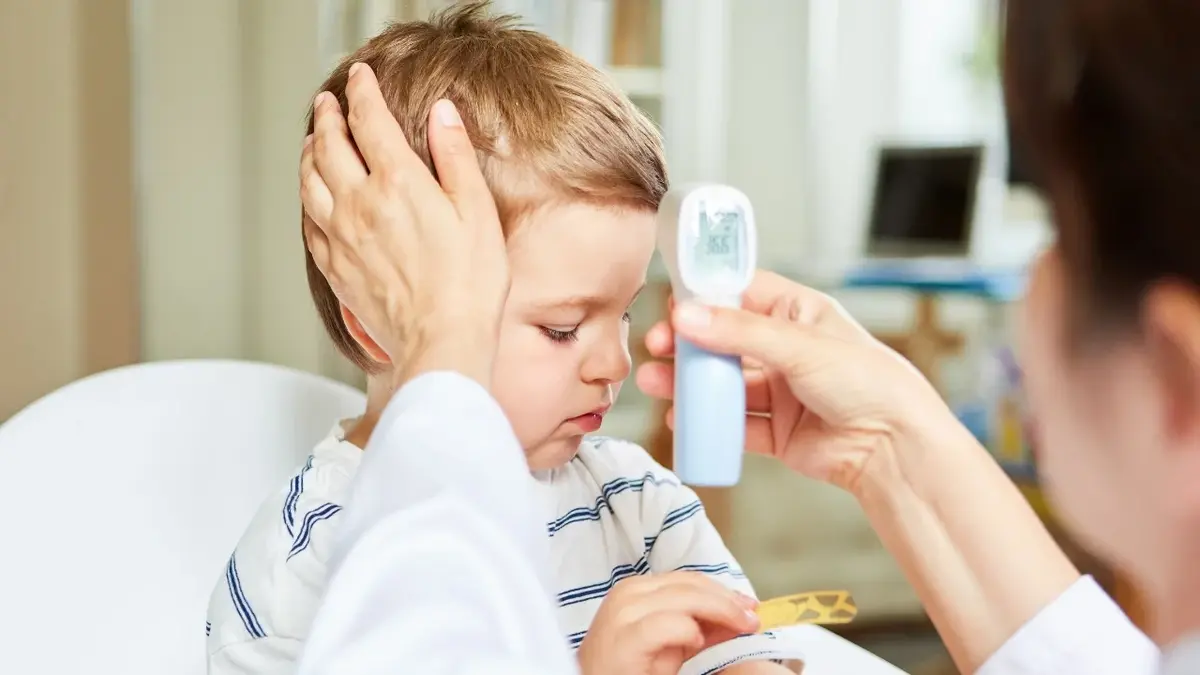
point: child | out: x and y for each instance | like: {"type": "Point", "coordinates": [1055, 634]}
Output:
{"type": "Point", "coordinates": [577, 173]}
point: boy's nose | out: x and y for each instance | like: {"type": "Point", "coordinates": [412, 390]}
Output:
{"type": "Point", "coordinates": [608, 365]}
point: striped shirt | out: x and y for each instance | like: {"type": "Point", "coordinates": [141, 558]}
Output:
{"type": "Point", "coordinates": [611, 513]}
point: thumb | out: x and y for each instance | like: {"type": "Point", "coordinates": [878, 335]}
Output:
{"type": "Point", "coordinates": [775, 342]}
{"type": "Point", "coordinates": [458, 166]}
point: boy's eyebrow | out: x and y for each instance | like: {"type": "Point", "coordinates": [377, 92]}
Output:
{"type": "Point", "coordinates": [586, 302]}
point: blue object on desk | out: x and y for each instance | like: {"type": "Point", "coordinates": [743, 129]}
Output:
{"type": "Point", "coordinates": [1021, 474]}
{"type": "Point", "coordinates": [941, 276]}
{"type": "Point", "coordinates": [974, 416]}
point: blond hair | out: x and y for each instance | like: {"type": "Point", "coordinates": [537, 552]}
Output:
{"type": "Point", "coordinates": [547, 125]}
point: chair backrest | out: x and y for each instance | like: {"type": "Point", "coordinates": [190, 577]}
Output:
{"type": "Point", "coordinates": [122, 496]}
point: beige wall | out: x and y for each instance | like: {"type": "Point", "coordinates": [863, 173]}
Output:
{"type": "Point", "coordinates": [68, 306]}
{"type": "Point", "coordinates": [222, 89]}
{"type": "Point", "coordinates": [188, 144]}
{"type": "Point", "coordinates": [147, 187]}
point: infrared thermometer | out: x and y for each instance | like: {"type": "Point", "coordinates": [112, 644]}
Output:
{"type": "Point", "coordinates": [708, 242]}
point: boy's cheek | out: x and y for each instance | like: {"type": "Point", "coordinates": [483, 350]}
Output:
{"type": "Point", "coordinates": [531, 383]}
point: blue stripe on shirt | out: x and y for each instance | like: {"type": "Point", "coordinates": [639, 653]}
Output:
{"type": "Point", "coordinates": [295, 488]}
{"type": "Point", "coordinates": [322, 512]}
{"type": "Point", "coordinates": [574, 596]}
{"type": "Point", "coordinates": [576, 639]}
{"type": "Point", "coordinates": [607, 491]}
{"type": "Point", "coordinates": [713, 570]}
{"type": "Point", "coordinates": [679, 515]}
{"type": "Point", "coordinates": [673, 518]}
{"type": "Point", "coordinates": [240, 603]}
{"type": "Point", "coordinates": [599, 590]}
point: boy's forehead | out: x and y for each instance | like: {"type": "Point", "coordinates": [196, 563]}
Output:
{"type": "Point", "coordinates": [577, 252]}
{"type": "Point", "coordinates": [552, 300]}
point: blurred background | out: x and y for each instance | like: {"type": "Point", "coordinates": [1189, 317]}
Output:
{"type": "Point", "coordinates": [148, 207]}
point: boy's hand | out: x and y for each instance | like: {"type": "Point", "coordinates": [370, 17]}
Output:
{"type": "Point", "coordinates": [421, 265]}
{"type": "Point", "coordinates": [650, 625]}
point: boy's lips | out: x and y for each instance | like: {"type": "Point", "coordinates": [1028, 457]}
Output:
{"type": "Point", "coordinates": [590, 421]}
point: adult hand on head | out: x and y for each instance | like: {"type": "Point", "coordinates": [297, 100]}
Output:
{"type": "Point", "coordinates": [421, 265]}
{"type": "Point", "coordinates": [824, 396]}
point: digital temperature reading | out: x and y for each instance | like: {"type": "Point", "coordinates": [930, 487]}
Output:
{"type": "Point", "coordinates": [717, 243]}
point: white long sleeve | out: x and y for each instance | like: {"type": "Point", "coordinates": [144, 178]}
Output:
{"type": "Point", "coordinates": [441, 566]}
{"type": "Point", "coordinates": [1083, 632]}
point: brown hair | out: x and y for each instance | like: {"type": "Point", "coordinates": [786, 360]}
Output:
{"type": "Point", "coordinates": [1103, 96]}
{"type": "Point", "coordinates": [547, 126]}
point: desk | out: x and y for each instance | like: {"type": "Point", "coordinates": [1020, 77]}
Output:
{"type": "Point", "coordinates": [927, 341]}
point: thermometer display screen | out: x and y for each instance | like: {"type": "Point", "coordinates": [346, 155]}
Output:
{"type": "Point", "coordinates": [719, 240]}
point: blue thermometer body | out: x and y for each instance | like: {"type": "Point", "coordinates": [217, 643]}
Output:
{"type": "Point", "coordinates": [707, 239]}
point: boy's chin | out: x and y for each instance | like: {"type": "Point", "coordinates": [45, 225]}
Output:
{"type": "Point", "coordinates": [553, 453]}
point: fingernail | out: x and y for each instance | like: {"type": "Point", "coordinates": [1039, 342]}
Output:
{"type": "Point", "coordinates": [447, 114]}
{"type": "Point", "coordinates": [691, 315]}
{"type": "Point", "coordinates": [354, 68]}
{"type": "Point", "coordinates": [747, 601]}
{"type": "Point", "coordinates": [307, 141]}
{"type": "Point", "coordinates": [320, 99]}
{"type": "Point", "coordinates": [752, 620]}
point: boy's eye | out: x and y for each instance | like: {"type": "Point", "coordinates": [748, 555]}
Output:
{"type": "Point", "coordinates": [561, 336]}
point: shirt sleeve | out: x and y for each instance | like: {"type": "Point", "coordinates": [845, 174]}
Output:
{"type": "Point", "coordinates": [679, 535]}
{"type": "Point", "coordinates": [439, 548]}
{"type": "Point", "coordinates": [1082, 631]}
{"type": "Point", "coordinates": [265, 656]}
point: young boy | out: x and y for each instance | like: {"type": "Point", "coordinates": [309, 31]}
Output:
{"type": "Point", "coordinates": [577, 172]}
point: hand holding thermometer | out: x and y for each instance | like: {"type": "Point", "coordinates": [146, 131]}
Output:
{"type": "Point", "coordinates": [707, 239]}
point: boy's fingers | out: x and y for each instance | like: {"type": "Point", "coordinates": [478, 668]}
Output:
{"type": "Point", "coordinates": [691, 593]}
{"type": "Point", "coordinates": [661, 629]}
{"type": "Point", "coordinates": [376, 132]}
{"type": "Point", "coordinates": [721, 609]}
{"type": "Point", "coordinates": [458, 166]}
{"type": "Point", "coordinates": [333, 153]}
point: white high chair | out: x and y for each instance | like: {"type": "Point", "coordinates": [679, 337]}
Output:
{"type": "Point", "coordinates": [122, 496]}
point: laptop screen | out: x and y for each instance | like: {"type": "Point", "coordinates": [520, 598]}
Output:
{"type": "Point", "coordinates": [924, 200]}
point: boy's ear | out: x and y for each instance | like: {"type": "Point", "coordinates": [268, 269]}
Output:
{"type": "Point", "coordinates": [363, 338]}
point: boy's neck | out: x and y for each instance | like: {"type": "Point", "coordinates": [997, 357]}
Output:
{"type": "Point", "coordinates": [379, 393]}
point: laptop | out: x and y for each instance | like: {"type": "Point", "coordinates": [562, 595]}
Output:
{"type": "Point", "coordinates": [923, 208]}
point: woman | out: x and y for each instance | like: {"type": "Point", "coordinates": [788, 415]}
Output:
{"type": "Point", "coordinates": [1102, 92]}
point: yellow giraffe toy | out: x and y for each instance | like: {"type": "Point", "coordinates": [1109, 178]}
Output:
{"type": "Point", "coordinates": [816, 607]}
